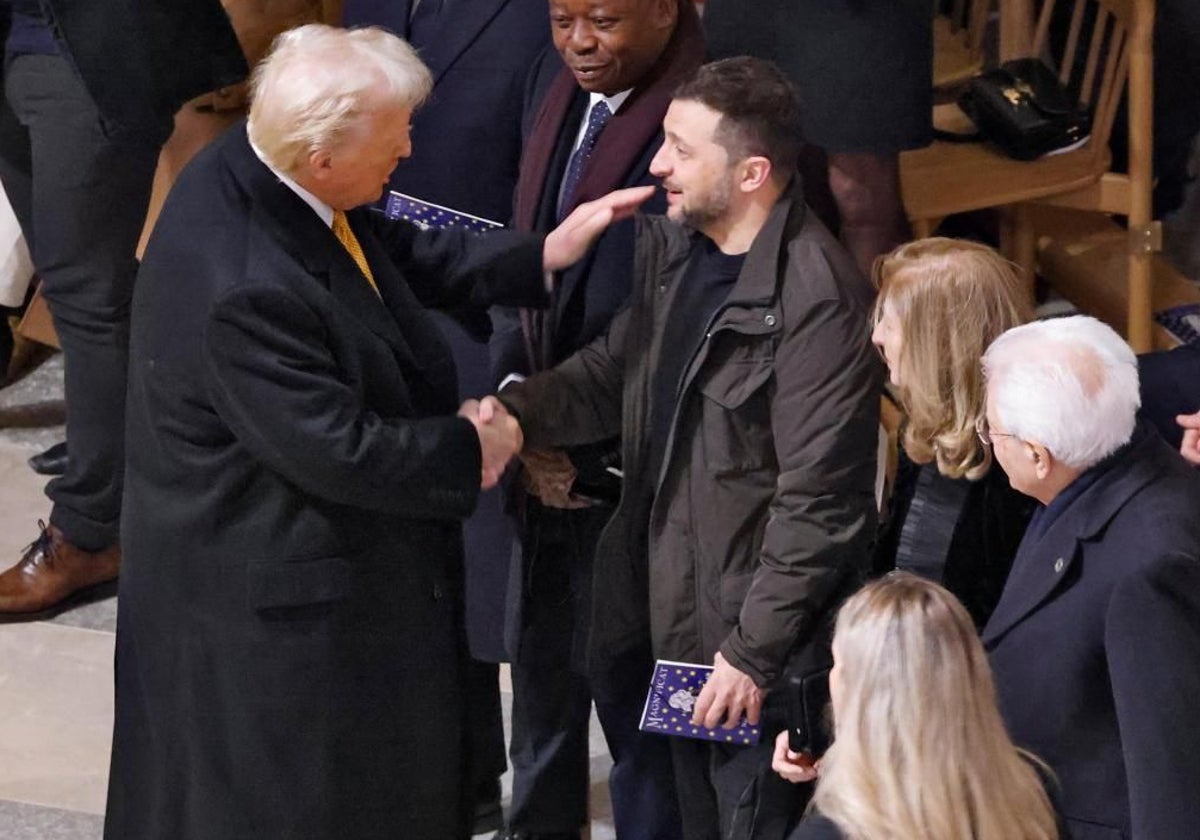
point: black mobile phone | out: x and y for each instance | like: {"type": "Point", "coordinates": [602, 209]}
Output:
{"type": "Point", "coordinates": [809, 726]}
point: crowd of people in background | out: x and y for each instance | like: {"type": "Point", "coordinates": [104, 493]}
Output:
{"type": "Point", "coordinates": [346, 463]}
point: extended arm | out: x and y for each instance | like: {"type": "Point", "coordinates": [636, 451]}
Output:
{"type": "Point", "coordinates": [455, 267]}
{"type": "Point", "coordinates": [580, 400]}
{"type": "Point", "coordinates": [276, 385]}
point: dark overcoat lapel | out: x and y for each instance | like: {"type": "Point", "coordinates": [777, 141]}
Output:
{"type": "Point", "coordinates": [1048, 562]}
{"type": "Point", "coordinates": [281, 218]}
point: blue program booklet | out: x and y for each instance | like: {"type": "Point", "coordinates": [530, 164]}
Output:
{"type": "Point", "coordinates": [1183, 322]}
{"type": "Point", "coordinates": [427, 215]}
{"type": "Point", "coordinates": [674, 687]}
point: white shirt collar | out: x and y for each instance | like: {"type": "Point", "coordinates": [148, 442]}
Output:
{"type": "Point", "coordinates": [613, 102]}
{"type": "Point", "coordinates": [323, 210]}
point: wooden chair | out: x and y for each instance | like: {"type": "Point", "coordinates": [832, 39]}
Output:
{"type": "Point", "coordinates": [958, 42]}
{"type": "Point", "coordinates": [946, 178]}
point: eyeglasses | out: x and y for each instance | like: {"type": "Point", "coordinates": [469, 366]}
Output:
{"type": "Point", "coordinates": [986, 435]}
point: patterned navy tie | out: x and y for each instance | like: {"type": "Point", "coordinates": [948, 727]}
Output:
{"type": "Point", "coordinates": [595, 124]}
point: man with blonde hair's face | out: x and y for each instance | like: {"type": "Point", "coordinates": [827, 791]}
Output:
{"type": "Point", "coordinates": [298, 470]}
{"type": "Point", "coordinates": [1096, 637]}
{"type": "Point", "coordinates": [338, 135]}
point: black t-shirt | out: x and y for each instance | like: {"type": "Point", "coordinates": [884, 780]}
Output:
{"type": "Point", "coordinates": [705, 286]}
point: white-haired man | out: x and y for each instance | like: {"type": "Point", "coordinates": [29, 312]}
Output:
{"type": "Point", "coordinates": [289, 645]}
{"type": "Point", "coordinates": [1096, 639]}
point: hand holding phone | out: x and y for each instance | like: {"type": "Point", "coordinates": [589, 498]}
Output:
{"type": "Point", "coordinates": [807, 700]}
{"type": "Point", "coordinates": [792, 766]}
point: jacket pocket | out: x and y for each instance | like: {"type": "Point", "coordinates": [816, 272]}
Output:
{"type": "Point", "coordinates": [735, 418]}
{"type": "Point", "coordinates": [272, 585]}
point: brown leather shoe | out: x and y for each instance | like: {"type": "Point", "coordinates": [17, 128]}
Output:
{"type": "Point", "coordinates": [52, 569]}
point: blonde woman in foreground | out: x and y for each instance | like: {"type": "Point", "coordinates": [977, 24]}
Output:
{"type": "Point", "coordinates": [921, 752]}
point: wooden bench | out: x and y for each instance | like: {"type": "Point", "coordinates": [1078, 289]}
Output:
{"type": "Point", "coordinates": [1085, 257]}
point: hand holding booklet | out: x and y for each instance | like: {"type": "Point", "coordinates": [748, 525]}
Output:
{"type": "Point", "coordinates": [674, 687]}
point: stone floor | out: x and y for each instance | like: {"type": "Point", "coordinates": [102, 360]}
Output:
{"type": "Point", "coordinates": [56, 675]}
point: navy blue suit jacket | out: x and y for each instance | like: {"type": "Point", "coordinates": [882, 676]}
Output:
{"type": "Point", "coordinates": [467, 137]}
{"type": "Point", "coordinates": [1170, 382]}
{"type": "Point", "coordinates": [1095, 646]}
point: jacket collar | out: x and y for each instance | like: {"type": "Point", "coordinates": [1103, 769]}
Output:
{"type": "Point", "coordinates": [757, 285]}
{"type": "Point", "coordinates": [288, 222]}
{"type": "Point", "coordinates": [1046, 563]}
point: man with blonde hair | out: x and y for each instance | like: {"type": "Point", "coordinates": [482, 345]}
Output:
{"type": "Point", "coordinates": [1096, 639]}
{"type": "Point", "coordinates": [289, 646]}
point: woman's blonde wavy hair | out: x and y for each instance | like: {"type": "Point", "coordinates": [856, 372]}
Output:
{"type": "Point", "coordinates": [952, 298]}
{"type": "Point", "coordinates": [921, 752]}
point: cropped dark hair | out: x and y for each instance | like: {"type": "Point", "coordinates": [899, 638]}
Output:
{"type": "Point", "coordinates": [759, 108]}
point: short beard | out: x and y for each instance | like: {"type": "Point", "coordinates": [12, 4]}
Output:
{"type": "Point", "coordinates": [715, 206]}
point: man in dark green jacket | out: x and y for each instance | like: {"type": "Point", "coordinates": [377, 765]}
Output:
{"type": "Point", "coordinates": [744, 387]}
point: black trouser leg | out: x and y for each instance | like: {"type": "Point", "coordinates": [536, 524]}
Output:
{"type": "Point", "coordinates": [551, 710]}
{"type": "Point", "coordinates": [642, 781]}
{"type": "Point", "coordinates": [89, 190]}
{"type": "Point", "coordinates": [485, 732]}
{"type": "Point", "coordinates": [731, 793]}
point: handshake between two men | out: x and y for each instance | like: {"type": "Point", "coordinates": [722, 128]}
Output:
{"type": "Point", "coordinates": [499, 432]}
{"type": "Point", "coordinates": [499, 436]}
{"type": "Point", "coordinates": [549, 474]}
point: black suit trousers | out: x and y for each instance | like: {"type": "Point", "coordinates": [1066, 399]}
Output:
{"type": "Point", "coordinates": [80, 189]}
{"type": "Point", "coordinates": [731, 793]}
{"type": "Point", "coordinates": [552, 698]}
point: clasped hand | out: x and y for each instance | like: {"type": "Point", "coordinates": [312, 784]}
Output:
{"type": "Point", "coordinates": [499, 436]}
{"type": "Point", "coordinates": [549, 475]}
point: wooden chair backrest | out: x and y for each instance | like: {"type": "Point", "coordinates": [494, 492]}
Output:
{"type": "Point", "coordinates": [971, 15]}
{"type": "Point", "coordinates": [1095, 64]}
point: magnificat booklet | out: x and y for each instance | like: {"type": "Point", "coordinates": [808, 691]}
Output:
{"type": "Point", "coordinates": [674, 688]}
{"type": "Point", "coordinates": [1182, 321]}
{"type": "Point", "coordinates": [426, 215]}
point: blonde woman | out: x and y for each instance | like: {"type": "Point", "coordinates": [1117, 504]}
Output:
{"type": "Point", "coordinates": [953, 518]}
{"type": "Point", "coordinates": [921, 751]}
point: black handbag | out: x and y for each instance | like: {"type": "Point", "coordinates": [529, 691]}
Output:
{"type": "Point", "coordinates": [1023, 108]}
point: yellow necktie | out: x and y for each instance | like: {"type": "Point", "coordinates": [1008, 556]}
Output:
{"type": "Point", "coordinates": [341, 229]}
